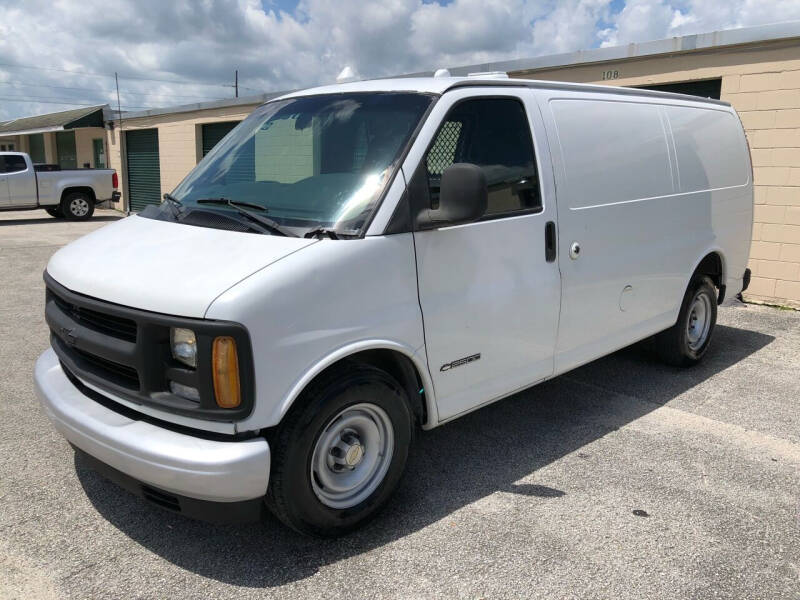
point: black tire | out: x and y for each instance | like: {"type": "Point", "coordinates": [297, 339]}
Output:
{"type": "Point", "coordinates": [676, 345]}
{"type": "Point", "coordinates": [291, 495]}
{"type": "Point", "coordinates": [77, 206]}
{"type": "Point", "coordinates": [55, 211]}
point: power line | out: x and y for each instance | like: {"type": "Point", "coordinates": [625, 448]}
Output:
{"type": "Point", "coordinates": [33, 100]}
{"type": "Point", "coordinates": [38, 68]}
{"type": "Point", "coordinates": [61, 87]}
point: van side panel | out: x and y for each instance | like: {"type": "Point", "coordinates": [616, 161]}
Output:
{"type": "Point", "coordinates": [712, 159]}
{"type": "Point", "coordinates": [642, 229]}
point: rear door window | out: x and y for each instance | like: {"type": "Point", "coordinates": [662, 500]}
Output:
{"type": "Point", "coordinates": [12, 163]}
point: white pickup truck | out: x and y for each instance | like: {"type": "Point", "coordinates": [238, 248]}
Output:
{"type": "Point", "coordinates": [71, 194]}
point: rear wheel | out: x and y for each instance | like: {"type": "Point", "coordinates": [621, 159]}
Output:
{"type": "Point", "coordinates": [685, 343]}
{"type": "Point", "coordinates": [341, 451]}
{"type": "Point", "coordinates": [55, 211]}
{"type": "Point", "coordinates": [77, 206]}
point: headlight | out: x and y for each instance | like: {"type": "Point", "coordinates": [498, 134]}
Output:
{"type": "Point", "coordinates": [184, 346]}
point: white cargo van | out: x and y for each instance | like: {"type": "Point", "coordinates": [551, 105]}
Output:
{"type": "Point", "coordinates": [353, 262]}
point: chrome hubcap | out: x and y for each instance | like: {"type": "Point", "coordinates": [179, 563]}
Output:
{"type": "Point", "coordinates": [699, 323]}
{"type": "Point", "coordinates": [352, 455]}
{"type": "Point", "coordinates": [79, 207]}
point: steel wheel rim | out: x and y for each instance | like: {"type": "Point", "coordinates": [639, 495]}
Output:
{"type": "Point", "coordinates": [698, 324]}
{"type": "Point", "coordinates": [79, 207]}
{"type": "Point", "coordinates": [352, 456]}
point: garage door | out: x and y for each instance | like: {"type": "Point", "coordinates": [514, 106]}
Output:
{"type": "Point", "coordinates": [214, 132]}
{"type": "Point", "coordinates": [144, 173]}
{"type": "Point", "coordinates": [65, 150]}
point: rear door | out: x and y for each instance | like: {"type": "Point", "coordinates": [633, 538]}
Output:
{"type": "Point", "coordinates": [4, 199]}
{"type": "Point", "coordinates": [488, 292]}
{"type": "Point", "coordinates": [621, 227]}
{"type": "Point", "coordinates": [20, 181]}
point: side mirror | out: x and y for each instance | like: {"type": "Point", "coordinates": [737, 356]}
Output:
{"type": "Point", "coordinates": [463, 196]}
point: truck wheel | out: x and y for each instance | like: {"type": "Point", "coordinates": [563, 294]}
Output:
{"type": "Point", "coordinates": [340, 452]}
{"type": "Point", "coordinates": [55, 211]}
{"type": "Point", "coordinates": [685, 343]}
{"type": "Point", "coordinates": [77, 206]}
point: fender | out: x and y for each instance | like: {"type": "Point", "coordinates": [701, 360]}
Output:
{"type": "Point", "coordinates": [706, 252]}
{"type": "Point", "coordinates": [417, 358]}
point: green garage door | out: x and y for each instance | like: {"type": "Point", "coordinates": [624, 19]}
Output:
{"type": "Point", "coordinates": [144, 173]}
{"type": "Point", "coordinates": [214, 132]}
{"type": "Point", "coordinates": [36, 147]}
{"type": "Point", "coordinates": [65, 150]}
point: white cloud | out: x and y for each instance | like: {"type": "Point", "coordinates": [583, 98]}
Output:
{"type": "Point", "coordinates": [204, 41]}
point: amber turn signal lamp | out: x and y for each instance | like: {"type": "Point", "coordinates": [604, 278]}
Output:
{"type": "Point", "coordinates": [226, 373]}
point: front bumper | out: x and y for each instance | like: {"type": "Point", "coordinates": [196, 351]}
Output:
{"type": "Point", "coordinates": [189, 466]}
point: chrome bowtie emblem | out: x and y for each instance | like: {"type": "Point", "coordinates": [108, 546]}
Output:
{"type": "Point", "coordinates": [68, 335]}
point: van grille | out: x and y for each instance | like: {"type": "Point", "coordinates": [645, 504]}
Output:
{"type": "Point", "coordinates": [118, 327]}
{"type": "Point", "coordinates": [125, 353]}
{"type": "Point", "coordinates": [115, 372]}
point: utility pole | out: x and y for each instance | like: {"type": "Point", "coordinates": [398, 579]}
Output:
{"type": "Point", "coordinates": [236, 82]}
{"type": "Point", "coordinates": [119, 134]}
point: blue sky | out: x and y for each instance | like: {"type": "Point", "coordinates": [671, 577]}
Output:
{"type": "Point", "coordinates": [57, 56]}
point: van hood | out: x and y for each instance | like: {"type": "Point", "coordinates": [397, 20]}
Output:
{"type": "Point", "coordinates": [165, 267]}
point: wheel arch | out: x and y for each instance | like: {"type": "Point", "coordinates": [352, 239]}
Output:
{"type": "Point", "coordinates": [80, 189]}
{"type": "Point", "coordinates": [712, 264]}
{"type": "Point", "coordinates": [405, 365]}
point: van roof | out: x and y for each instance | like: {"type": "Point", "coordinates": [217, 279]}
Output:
{"type": "Point", "coordinates": [440, 85]}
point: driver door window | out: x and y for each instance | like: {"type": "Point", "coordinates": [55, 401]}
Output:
{"type": "Point", "coordinates": [494, 134]}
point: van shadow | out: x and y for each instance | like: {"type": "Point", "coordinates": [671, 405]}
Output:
{"type": "Point", "coordinates": [449, 467]}
{"type": "Point", "coordinates": [53, 221]}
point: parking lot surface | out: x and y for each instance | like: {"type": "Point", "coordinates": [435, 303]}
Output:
{"type": "Point", "coordinates": [622, 479]}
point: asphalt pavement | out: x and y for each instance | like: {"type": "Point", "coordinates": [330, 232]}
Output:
{"type": "Point", "coordinates": [623, 479]}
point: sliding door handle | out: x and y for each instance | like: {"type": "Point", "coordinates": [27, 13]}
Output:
{"type": "Point", "coordinates": [550, 241]}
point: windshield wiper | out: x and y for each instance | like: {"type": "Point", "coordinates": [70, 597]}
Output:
{"type": "Point", "coordinates": [269, 224]}
{"type": "Point", "coordinates": [176, 205]}
{"type": "Point", "coordinates": [319, 232]}
{"type": "Point", "coordinates": [230, 202]}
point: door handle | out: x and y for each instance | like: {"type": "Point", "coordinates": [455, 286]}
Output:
{"type": "Point", "coordinates": [550, 241]}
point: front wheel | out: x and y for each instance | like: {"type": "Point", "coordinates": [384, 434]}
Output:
{"type": "Point", "coordinates": [685, 343]}
{"type": "Point", "coordinates": [341, 451]}
{"type": "Point", "coordinates": [77, 206]}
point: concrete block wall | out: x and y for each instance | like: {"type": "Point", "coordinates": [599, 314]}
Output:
{"type": "Point", "coordinates": [285, 154]}
{"type": "Point", "coordinates": [84, 144]}
{"type": "Point", "coordinates": [763, 85]}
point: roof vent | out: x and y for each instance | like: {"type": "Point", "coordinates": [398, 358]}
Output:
{"type": "Point", "coordinates": [346, 75]}
{"type": "Point", "coordinates": [442, 73]}
{"type": "Point", "coordinates": [490, 75]}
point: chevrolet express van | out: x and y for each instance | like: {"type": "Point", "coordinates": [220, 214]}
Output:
{"type": "Point", "coordinates": [354, 262]}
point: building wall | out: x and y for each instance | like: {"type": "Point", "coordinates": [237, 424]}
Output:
{"type": "Point", "coordinates": [11, 139]}
{"type": "Point", "coordinates": [763, 83]}
{"type": "Point", "coordinates": [50, 154]}
{"type": "Point", "coordinates": [83, 144]}
{"type": "Point", "coordinates": [179, 141]}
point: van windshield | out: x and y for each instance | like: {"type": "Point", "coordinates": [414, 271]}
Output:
{"type": "Point", "coordinates": [309, 162]}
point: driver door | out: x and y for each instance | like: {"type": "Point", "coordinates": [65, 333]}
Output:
{"type": "Point", "coordinates": [489, 290]}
